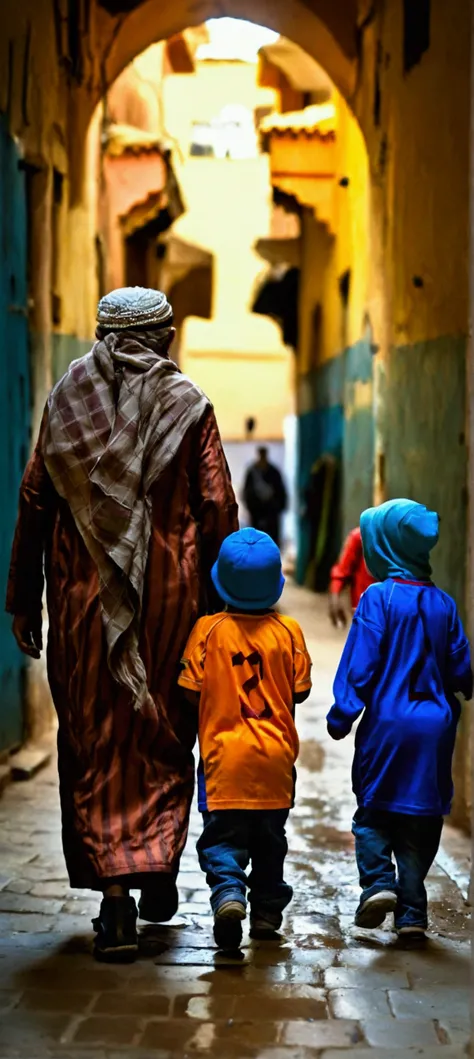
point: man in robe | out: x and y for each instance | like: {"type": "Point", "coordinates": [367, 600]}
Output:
{"type": "Point", "coordinates": [123, 506]}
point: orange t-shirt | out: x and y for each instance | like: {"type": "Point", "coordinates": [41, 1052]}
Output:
{"type": "Point", "coordinates": [247, 669]}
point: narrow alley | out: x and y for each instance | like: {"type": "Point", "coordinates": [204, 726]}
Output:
{"type": "Point", "coordinates": [324, 989]}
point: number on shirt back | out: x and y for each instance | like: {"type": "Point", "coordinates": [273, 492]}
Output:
{"type": "Point", "coordinates": [252, 687]}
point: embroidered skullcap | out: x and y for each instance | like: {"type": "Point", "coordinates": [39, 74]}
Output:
{"type": "Point", "coordinates": [134, 307]}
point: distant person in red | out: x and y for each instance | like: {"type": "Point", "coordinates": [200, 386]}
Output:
{"type": "Point", "coordinates": [350, 571]}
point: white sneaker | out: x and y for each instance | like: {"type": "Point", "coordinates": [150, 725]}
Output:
{"type": "Point", "coordinates": [372, 912]}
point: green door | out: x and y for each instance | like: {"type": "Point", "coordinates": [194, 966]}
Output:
{"type": "Point", "coordinates": [14, 412]}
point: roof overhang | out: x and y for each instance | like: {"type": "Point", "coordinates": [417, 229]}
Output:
{"type": "Point", "coordinates": [187, 277]}
{"type": "Point", "coordinates": [280, 251]}
{"type": "Point", "coordinates": [301, 71]}
{"type": "Point", "coordinates": [155, 214]}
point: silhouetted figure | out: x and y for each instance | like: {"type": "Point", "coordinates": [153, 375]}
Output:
{"type": "Point", "coordinates": [265, 496]}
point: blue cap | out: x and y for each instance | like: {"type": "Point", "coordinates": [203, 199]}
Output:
{"type": "Point", "coordinates": [248, 573]}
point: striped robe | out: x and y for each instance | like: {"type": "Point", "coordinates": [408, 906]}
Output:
{"type": "Point", "coordinates": [126, 790]}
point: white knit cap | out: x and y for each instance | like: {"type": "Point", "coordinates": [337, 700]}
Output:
{"type": "Point", "coordinates": [134, 307]}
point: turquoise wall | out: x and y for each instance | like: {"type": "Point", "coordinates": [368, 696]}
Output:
{"type": "Point", "coordinates": [336, 417]}
{"type": "Point", "coordinates": [359, 434]}
{"type": "Point", "coordinates": [424, 402]}
{"type": "Point", "coordinates": [14, 411]}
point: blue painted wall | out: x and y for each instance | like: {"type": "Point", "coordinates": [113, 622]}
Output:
{"type": "Point", "coordinates": [359, 434]}
{"type": "Point", "coordinates": [336, 417]}
{"type": "Point", "coordinates": [425, 445]}
{"type": "Point", "coordinates": [14, 413]}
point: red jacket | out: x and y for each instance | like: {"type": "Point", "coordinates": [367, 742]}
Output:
{"type": "Point", "coordinates": [351, 569]}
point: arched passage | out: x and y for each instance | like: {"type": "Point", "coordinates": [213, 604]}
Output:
{"type": "Point", "coordinates": [122, 30]}
{"type": "Point", "coordinates": [316, 33]}
{"type": "Point", "coordinates": [328, 257]}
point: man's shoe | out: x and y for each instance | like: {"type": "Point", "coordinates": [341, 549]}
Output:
{"type": "Point", "coordinates": [116, 930]}
{"type": "Point", "coordinates": [228, 925]}
{"type": "Point", "coordinates": [263, 929]}
{"type": "Point", "coordinates": [412, 934]}
{"type": "Point", "coordinates": [372, 912]}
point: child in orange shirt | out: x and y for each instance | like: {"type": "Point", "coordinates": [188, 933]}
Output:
{"type": "Point", "coordinates": [246, 667]}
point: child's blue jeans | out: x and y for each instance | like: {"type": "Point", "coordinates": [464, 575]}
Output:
{"type": "Point", "coordinates": [234, 838]}
{"type": "Point", "coordinates": [414, 842]}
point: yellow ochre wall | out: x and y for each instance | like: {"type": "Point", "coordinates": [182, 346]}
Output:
{"type": "Point", "coordinates": [328, 254]}
{"type": "Point", "coordinates": [237, 357]}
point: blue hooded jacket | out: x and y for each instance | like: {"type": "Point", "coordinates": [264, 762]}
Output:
{"type": "Point", "coordinates": [405, 658]}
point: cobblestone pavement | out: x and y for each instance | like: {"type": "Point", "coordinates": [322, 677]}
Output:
{"type": "Point", "coordinates": [324, 989]}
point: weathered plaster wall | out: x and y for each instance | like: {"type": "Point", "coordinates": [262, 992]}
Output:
{"type": "Point", "coordinates": [237, 357]}
{"type": "Point", "coordinates": [334, 362]}
{"type": "Point", "coordinates": [336, 417]}
{"type": "Point", "coordinates": [416, 125]}
{"type": "Point", "coordinates": [416, 128]}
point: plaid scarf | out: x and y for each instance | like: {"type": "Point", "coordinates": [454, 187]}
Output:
{"type": "Point", "coordinates": [115, 422]}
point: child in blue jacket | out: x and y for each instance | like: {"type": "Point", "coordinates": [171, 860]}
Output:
{"type": "Point", "coordinates": [405, 658]}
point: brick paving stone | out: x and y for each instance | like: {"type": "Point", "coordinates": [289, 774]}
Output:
{"type": "Point", "coordinates": [15, 902]}
{"type": "Point", "coordinates": [68, 924]}
{"type": "Point", "coordinates": [38, 874]}
{"type": "Point", "coordinates": [28, 1034]}
{"type": "Point", "coordinates": [402, 1032]}
{"type": "Point", "coordinates": [105, 1030]}
{"type": "Point", "coordinates": [57, 889]}
{"type": "Point", "coordinates": [18, 886]}
{"type": "Point", "coordinates": [195, 958]}
{"type": "Point", "coordinates": [200, 897]}
{"type": "Point", "coordinates": [205, 1008]}
{"type": "Point", "coordinates": [294, 1052]}
{"type": "Point", "coordinates": [186, 939]}
{"type": "Point", "coordinates": [281, 1008]}
{"type": "Point", "coordinates": [331, 1034]}
{"type": "Point", "coordinates": [348, 978]}
{"type": "Point", "coordinates": [62, 976]}
{"type": "Point", "coordinates": [185, 985]}
{"type": "Point", "coordinates": [352, 1004]}
{"type": "Point", "coordinates": [8, 999]}
{"type": "Point", "coordinates": [55, 1000]}
{"type": "Point", "coordinates": [436, 1003]}
{"type": "Point", "coordinates": [149, 1005]}
{"type": "Point", "coordinates": [191, 908]}
{"type": "Point", "coordinates": [79, 907]}
{"type": "Point", "coordinates": [192, 880]}
{"type": "Point", "coordinates": [455, 1030]}
{"type": "Point", "coordinates": [29, 924]}
{"type": "Point", "coordinates": [389, 1052]}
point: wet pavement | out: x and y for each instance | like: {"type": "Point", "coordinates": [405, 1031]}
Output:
{"type": "Point", "coordinates": [323, 989]}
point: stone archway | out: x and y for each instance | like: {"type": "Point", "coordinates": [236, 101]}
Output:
{"type": "Point", "coordinates": [329, 39]}
{"type": "Point", "coordinates": [122, 29]}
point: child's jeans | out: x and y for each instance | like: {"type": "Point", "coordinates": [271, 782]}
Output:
{"type": "Point", "coordinates": [233, 838]}
{"type": "Point", "coordinates": [414, 842]}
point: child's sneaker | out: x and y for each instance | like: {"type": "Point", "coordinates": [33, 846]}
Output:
{"type": "Point", "coordinates": [372, 912]}
{"type": "Point", "coordinates": [228, 925]}
{"type": "Point", "coordinates": [263, 929]}
{"type": "Point", "coordinates": [415, 935]}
